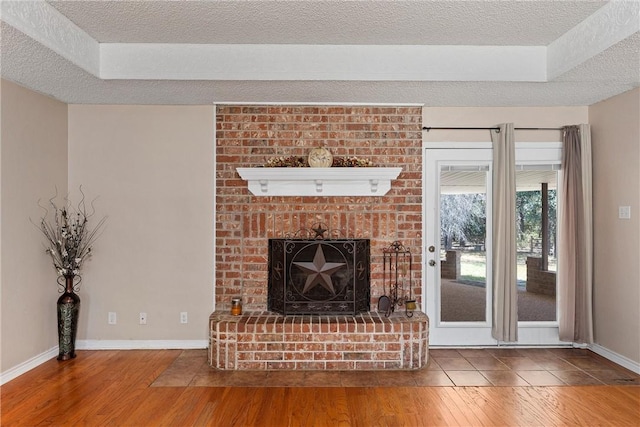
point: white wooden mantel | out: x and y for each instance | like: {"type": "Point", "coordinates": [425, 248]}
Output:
{"type": "Point", "coordinates": [363, 181]}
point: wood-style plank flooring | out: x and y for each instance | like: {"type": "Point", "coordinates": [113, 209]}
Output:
{"type": "Point", "coordinates": [125, 388]}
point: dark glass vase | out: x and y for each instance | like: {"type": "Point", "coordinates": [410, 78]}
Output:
{"type": "Point", "coordinates": [68, 311]}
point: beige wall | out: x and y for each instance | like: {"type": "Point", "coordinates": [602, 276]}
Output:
{"type": "Point", "coordinates": [153, 170]}
{"type": "Point", "coordinates": [615, 131]}
{"type": "Point", "coordinates": [489, 116]}
{"type": "Point", "coordinates": [33, 162]}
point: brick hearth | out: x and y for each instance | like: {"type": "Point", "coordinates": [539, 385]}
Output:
{"type": "Point", "coordinates": [268, 341]}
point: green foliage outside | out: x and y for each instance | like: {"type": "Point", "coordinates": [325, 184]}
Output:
{"type": "Point", "coordinates": [529, 214]}
{"type": "Point", "coordinates": [463, 219]}
{"type": "Point", "coordinates": [463, 227]}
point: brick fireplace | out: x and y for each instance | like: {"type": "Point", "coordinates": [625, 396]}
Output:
{"type": "Point", "coordinates": [246, 137]}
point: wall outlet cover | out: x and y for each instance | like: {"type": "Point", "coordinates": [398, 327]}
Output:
{"type": "Point", "coordinates": [624, 212]}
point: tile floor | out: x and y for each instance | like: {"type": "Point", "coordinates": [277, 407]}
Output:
{"type": "Point", "coordinates": [446, 367]}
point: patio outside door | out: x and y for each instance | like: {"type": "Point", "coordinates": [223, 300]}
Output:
{"type": "Point", "coordinates": [456, 194]}
{"type": "Point", "coordinates": [458, 245]}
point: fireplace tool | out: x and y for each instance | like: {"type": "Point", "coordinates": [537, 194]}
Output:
{"type": "Point", "coordinates": [396, 264]}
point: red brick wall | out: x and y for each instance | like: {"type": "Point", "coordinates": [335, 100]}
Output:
{"type": "Point", "coordinates": [540, 281]}
{"type": "Point", "coordinates": [247, 136]}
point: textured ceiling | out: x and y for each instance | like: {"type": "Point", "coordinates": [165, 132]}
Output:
{"type": "Point", "coordinates": [611, 69]}
{"type": "Point", "coordinates": [328, 22]}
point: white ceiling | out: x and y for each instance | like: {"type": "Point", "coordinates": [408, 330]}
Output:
{"type": "Point", "coordinates": [438, 53]}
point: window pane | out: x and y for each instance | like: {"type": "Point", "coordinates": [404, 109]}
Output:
{"type": "Point", "coordinates": [463, 265]}
{"type": "Point", "coordinates": [536, 224]}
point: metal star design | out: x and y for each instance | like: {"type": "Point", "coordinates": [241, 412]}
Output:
{"type": "Point", "coordinates": [320, 272]}
{"type": "Point", "coordinates": [319, 230]}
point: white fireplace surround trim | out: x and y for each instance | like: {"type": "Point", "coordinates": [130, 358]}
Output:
{"type": "Point", "coordinates": [338, 181]}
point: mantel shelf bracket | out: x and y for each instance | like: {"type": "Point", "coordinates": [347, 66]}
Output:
{"type": "Point", "coordinates": [264, 185]}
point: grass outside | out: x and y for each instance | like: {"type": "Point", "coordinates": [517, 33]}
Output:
{"type": "Point", "coordinates": [473, 266]}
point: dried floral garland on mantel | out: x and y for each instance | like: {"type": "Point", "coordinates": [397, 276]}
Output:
{"type": "Point", "coordinates": [302, 162]}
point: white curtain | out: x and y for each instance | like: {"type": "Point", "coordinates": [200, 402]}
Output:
{"type": "Point", "coordinates": [575, 255]}
{"type": "Point", "coordinates": [505, 293]}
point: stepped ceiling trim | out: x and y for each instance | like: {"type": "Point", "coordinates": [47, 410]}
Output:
{"type": "Point", "coordinates": [322, 62]}
{"type": "Point", "coordinates": [47, 26]}
{"type": "Point", "coordinates": [610, 25]}
{"type": "Point", "coordinates": [579, 55]}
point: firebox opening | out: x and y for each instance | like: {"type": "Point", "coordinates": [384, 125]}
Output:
{"type": "Point", "coordinates": [319, 276]}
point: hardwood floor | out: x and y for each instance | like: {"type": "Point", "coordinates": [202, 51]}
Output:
{"type": "Point", "coordinates": [114, 388]}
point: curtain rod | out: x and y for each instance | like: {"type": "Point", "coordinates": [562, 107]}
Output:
{"type": "Point", "coordinates": [428, 128]}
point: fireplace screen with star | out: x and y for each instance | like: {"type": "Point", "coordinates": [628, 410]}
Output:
{"type": "Point", "coordinates": [319, 276]}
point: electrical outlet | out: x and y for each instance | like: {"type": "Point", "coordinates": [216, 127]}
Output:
{"type": "Point", "coordinates": [183, 317]}
{"type": "Point", "coordinates": [143, 318]}
{"type": "Point", "coordinates": [112, 317]}
{"type": "Point", "coordinates": [624, 212]}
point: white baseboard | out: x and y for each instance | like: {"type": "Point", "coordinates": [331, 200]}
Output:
{"type": "Point", "coordinates": [28, 365]}
{"type": "Point", "coordinates": [623, 361]}
{"type": "Point", "coordinates": [140, 344]}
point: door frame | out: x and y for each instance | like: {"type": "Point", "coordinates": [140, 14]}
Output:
{"type": "Point", "coordinates": [529, 333]}
{"type": "Point", "coordinates": [475, 333]}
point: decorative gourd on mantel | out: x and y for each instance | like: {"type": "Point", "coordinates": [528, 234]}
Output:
{"type": "Point", "coordinates": [320, 157]}
{"type": "Point", "coordinates": [319, 181]}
